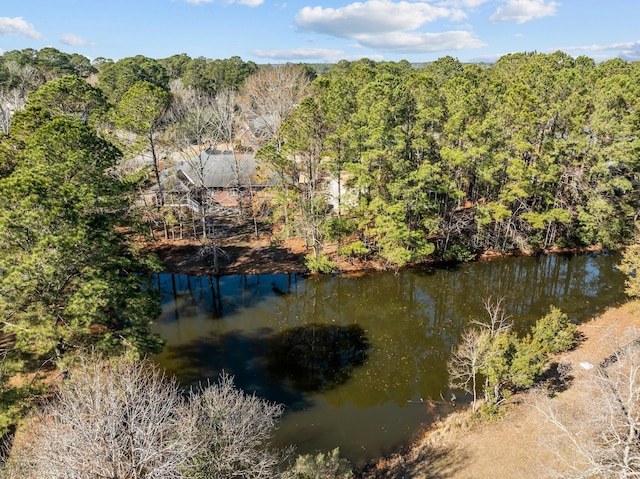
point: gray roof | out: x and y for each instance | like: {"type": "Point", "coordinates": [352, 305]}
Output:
{"type": "Point", "coordinates": [212, 169]}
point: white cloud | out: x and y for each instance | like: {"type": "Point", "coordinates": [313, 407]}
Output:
{"type": "Point", "coordinates": [319, 54]}
{"type": "Point", "coordinates": [18, 26]}
{"type": "Point", "coordinates": [464, 3]}
{"type": "Point", "coordinates": [73, 40]}
{"type": "Point", "coordinates": [408, 42]}
{"type": "Point", "coordinates": [457, 15]}
{"type": "Point", "coordinates": [627, 50]}
{"type": "Point", "coordinates": [521, 11]}
{"type": "Point", "coordinates": [386, 25]}
{"type": "Point", "coordinates": [599, 48]}
{"type": "Point", "coordinates": [370, 17]}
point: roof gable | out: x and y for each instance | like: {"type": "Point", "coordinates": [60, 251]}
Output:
{"type": "Point", "coordinates": [219, 170]}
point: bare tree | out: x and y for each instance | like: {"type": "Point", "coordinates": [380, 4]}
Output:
{"type": "Point", "coordinates": [499, 321]}
{"type": "Point", "coordinates": [475, 351]}
{"type": "Point", "coordinates": [466, 362]}
{"type": "Point", "coordinates": [29, 78]}
{"type": "Point", "coordinates": [268, 97]}
{"type": "Point", "coordinates": [123, 419]}
{"type": "Point", "coordinates": [114, 419]}
{"type": "Point", "coordinates": [202, 124]}
{"type": "Point", "coordinates": [600, 435]}
{"type": "Point", "coordinates": [233, 430]}
{"type": "Point", "coordinates": [195, 128]}
{"type": "Point", "coordinates": [11, 100]}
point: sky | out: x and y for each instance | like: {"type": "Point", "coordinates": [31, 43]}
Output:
{"type": "Point", "coordinates": [324, 31]}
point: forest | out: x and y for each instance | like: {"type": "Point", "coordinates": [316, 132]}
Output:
{"type": "Point", "coordinates": [533, 152]}
{"type": "Point", "coordinates": [388, 161]}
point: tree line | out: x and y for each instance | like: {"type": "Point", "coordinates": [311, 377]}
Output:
{"type": "Point", "coordinates": [394, 162]}
{"type": "Point", "coordinates": [533, 152]}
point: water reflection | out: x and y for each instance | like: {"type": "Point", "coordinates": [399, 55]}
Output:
{"type": "Point", "coordinates": [317, 357]}
{"type": "Point", "coordinates": [352, 357]}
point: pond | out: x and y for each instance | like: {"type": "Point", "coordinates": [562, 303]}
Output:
{"type": "Point", "coordinates": [354, 359]}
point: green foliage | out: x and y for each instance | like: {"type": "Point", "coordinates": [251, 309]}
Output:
{"type": "Point", "coordinates": [534, 151]}
{"type": "Point", "coordinates": [339, 227]}
{"type": "Point", "coordinates": [444, 69]}
{"type": "Point", "coordinates": [496, 365]}
{"type": "Point", "coordinates": [141, 107]}
{"type": "Point", "coordinates": [355, 249]}
{"type": "Point", "coordinates": [492, 212]}
{"type": "Point", "coordinates": [54, 63]}
{"type": "Point", "coordinates": [542, 220]}
{"type": "Point", "coordinates": [320, 264]}
{"type": "Point", "coordinates": [528, 362]}
{"type": "Point", "coordinates": [555, 332]}
{"type": "Point", "coordinates": [491, 410]}
{"type": "Point", "coordinates": [630, 265]}
{"type": "Point", "coordinates": [598, 222]}
{"type": "Point", "coordinates": [504, 360]}
{"type": "Point", "coordinates": [68, 278]}
{"type": "Point", "coordinates": [115, 79]}
{"type": "Point", "coordinates": [175, 65]}
{"type": "Point", "coordinates": [27, 69]}
{"type": "Point", "coordinates": [70, 95]}
{"type": "Point", "coordinates": [212, 76]}
{"type": "Point", "coordinates": [15, 401]}
{"type": "Point", "coordinates": [459, 253]}
{"type": "Point", "coordinates": [323, 466]}
{"type": "Point", "coordinates": [14, 404]}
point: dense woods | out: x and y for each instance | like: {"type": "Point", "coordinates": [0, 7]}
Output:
{"type": "Point", "coordinates": [392, 162]}
{"type": "Point", "coordinates": [385, 160]}
{"type": "Point", "coordinates": [532, 152]}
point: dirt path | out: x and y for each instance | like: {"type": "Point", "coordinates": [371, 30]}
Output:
{"type": "Point", "coordinates": [512, 446]}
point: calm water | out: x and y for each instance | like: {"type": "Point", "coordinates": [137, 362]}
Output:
{"type": "Point", "coordinates": [353, 358]}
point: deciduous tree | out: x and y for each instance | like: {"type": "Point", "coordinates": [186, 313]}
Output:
{"type": "Point", "coordinates": [268, 97]}
{"type": "Point", "coordinates": [598, 435]}
{"type": "Point", "coordinates": [127, 419]}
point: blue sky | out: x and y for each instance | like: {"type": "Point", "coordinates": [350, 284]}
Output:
{"type": "Point", "coordinates": [265, 31]}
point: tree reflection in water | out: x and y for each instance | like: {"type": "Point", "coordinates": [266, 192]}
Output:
{"type": "Point", "coordinates": [317, 357]}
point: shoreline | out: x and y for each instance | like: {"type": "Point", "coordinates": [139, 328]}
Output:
{"type": "Point", "coordinates": [465, 446]}
{"type": "Point", "coordinates": [444, 439]}
{"type": "Point", "coordinates": [262, 257]}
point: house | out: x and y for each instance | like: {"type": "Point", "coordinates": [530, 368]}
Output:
{"type": "Point", "coordinates": [214, 179]}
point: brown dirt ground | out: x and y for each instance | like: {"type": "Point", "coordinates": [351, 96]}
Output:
{"type": "Point", "coordinates": [261, 256]}
{"type": "Point", "coordinates": [512, 446]}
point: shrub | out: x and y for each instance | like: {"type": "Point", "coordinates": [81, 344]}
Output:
{"type": "Point", "coordinates": [320, 264]}
{"type": "Point", "coordinates": [528, 362]}
{"type": "Point", "coordinates": [323, 466]}
{"type": "Point", "coordinates": [231, 433]}
{"type": "Point", "coordinates": [630, 265]}
{"type": "Point", "coordinates": [555, 332]}
{"type": "Point", "coordinates": [459, 253]}
{"type": "Point", "coordinates": [355, 249]}
{"type": "Point", "coordinates": [126, 419]}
